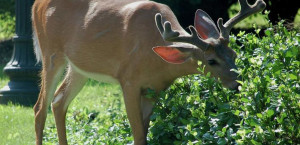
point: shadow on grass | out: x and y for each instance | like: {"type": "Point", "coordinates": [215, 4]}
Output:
{"type": "Point", "coordinates": [3, 77]}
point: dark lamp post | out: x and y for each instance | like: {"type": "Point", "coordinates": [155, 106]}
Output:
{"type": "Point", "coordinates": [22, 69]}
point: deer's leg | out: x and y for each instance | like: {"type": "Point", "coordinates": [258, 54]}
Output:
{"type": "Point", "coordinates": [147, 106]}
{"type": "Point", "coordinates": [68, 90]}
{"type": "Point", "coordinates": [53, 68]}
{"type": "Point", "coordinates": [132, 99]}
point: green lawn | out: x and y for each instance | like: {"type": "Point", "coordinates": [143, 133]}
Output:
{"type": "Point", "coordinates": [16, 125]}
{"type": "Point", "coordinates": [17, 122]}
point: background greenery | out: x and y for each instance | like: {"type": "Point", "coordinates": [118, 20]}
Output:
{"type": "Point", "coordinates": [195, 109]}
{"type": "Point", "coordinates": [7, 18]}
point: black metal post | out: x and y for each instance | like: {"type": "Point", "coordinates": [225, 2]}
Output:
{"type": "Point", "coordinates": [22, 69]}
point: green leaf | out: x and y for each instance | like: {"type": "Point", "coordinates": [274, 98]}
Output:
{"type": "Point", "coordinates": [258, 129]}
{"type": "Point", "coordinates": [241, 33]}
{"type": "Point", "coordinates": [220, 133]}
{"type": "Point", "coordinates": [224, 129]}
{"type": "Point", "coordinates": [178, 136]}
{"type": "Point", "coordinates": [293, 76]}
{"type": "Point", "coordinates": [208, 74]}
{"type": "Point", "coordinates": [222, 141]}
{"type": "Point", "coordinates": [208, 136]}
{"type": "Point", "coordinates": [257, 31]}
{"type": "Point", "coordinates": [237, 112]}
{"type": "Point", "coordinates": [245, 100]}
{"type": "Point", "coordinates": [268, 32]}
{"type": "Point", "coordinates": [255, 142]}
{"type": "Point", "coordinates": [252, 121]}
{"type": "Point", "coordinates": [259, 115]}
{"type": "Point", "coordinates": [270, 112]}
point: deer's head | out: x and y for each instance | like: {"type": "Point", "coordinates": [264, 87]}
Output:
{"type": "Point", "coordinates": [211, 47]}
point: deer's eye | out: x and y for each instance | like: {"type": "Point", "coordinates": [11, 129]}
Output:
{"type": "Point", "coordinates": [212, 62]}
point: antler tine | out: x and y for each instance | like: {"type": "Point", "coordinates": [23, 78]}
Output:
{"type": "Point", "coordinates": [170, 35]}
{"type": "Point", "coordinates": [166, 29]}
{"type": "Point", "coordinates": [246, 10]}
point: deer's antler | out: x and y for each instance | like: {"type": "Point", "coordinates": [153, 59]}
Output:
{"type": "Point", "coordinates": [246, 10]}
{"type": "Point", "coordinates": [170, 35]}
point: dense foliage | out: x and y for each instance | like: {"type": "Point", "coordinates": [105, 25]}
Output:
{"type": "Point", "coordinates": [198, 110]}
{"type": "Point", "coordinates": [7, 18]}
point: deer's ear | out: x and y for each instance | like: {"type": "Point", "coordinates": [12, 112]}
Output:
{"type": "Point", "coordinates": [205, 26]}
{"type": "Point", "coordinates": [172, 54]}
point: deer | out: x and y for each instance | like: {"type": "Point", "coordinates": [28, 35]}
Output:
{"type": "Point", "coordinates": [138, 44]}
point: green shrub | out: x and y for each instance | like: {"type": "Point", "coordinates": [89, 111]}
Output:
{"type": "Point", "coordinates": [7, 19]}
{"type": "Point", "coordinates": [7, 6]}
{"type": "Point", "coordinates": [198, 110]}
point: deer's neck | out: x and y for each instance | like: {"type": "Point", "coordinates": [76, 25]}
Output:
{"type": "Point", "coordinates": [187, 68]}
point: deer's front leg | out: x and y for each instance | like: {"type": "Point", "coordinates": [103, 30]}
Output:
{"type": "Point", "coordinates": [132, 99]}
{"type": "Point", "coordinates": [147, 107]}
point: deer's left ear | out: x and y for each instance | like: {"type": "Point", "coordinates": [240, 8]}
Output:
{"type": "Point", "coordinates": [205, 26]}
{"type": "Point", "coordinates": [173, 54]}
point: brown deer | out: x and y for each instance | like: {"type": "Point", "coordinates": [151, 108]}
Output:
{"type": "Point", "coordinates": [120, 41]}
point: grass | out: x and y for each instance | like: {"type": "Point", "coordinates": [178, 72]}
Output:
{"type": "Point", "coordinates": [99, 99]}
{"type": "Point", "coordinates": [17, 122]}
{"type": "Point", "coordinates": [16, 125]}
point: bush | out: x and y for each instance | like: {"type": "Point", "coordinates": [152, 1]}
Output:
{"type": "Point", "coordinates": [6, 47]}
{"type": "Point", "coordinates": [198, 110]}
{"type": "Point", "coordinates": [7, 6]}
{"type": "Point", "coordinates": [7, 19]}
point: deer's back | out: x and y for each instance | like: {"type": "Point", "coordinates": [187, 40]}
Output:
{"type": "Point", "coordinates": [116, 36]}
